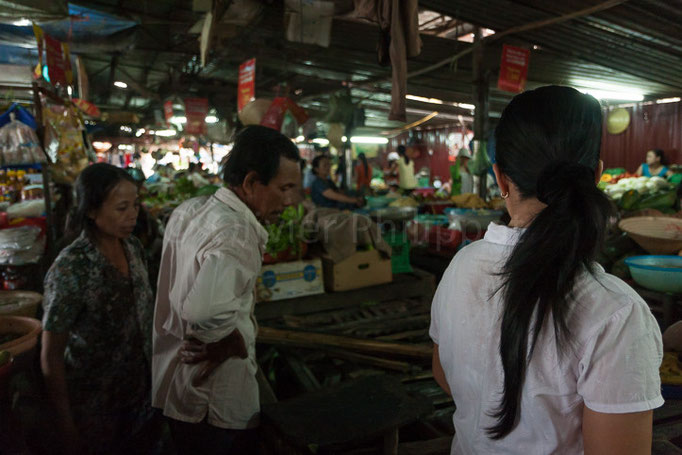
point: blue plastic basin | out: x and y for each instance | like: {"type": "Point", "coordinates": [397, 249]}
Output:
{"type": "Point", "coordinates": [658, 273]}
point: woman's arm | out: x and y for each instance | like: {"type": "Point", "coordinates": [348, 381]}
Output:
{"type": "Point", "coordinates": [607, 434]}
{"type": "Point", "coordinates": [639, 171]}
{"type": "Point", "coordinates": [438, 373]}
{"type": "Point", "coordinates": [52, 366]}
{"type": "Point", "coordinates": [339, 197]}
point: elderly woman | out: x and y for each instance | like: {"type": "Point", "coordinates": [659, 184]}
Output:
{"type": "Point", "coordinates": [96, 345]}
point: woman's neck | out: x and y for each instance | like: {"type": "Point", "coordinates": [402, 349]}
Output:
{"type": "Point", "coordinates": [524, 211]}
{"type": "Point", "coordinates": [107, 244]}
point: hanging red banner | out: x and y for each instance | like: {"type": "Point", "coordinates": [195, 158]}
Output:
{"type": "Point", "coordinates": [87, 107]}
{"type": "Point", "coordinates": [168, 111]}
{"type": "Point", "coordinates": [246, 90]}
{"type": "Point", "coordinates": [195, 111]}
{"type": "Point", "coordinates": [513, 69]}
{"type": "Point", "coordinates": [55, 61]}
{"type": "Point", "coordinates": [275, 114]}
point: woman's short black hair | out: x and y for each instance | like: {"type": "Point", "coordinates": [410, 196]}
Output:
{"type": "Point", "coordinates": [93, 186]}
{"type": "Point", "coordinates": [659, 153]}
{"type": "Point", "coordinates": [257, 148]}
{"type": "Point", "coordinates": [317, 160]}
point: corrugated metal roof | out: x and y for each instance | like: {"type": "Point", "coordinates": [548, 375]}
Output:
{"type": "Point", "coordinates": [640, 38]}
{"type": "Point", "coordinates": [637, 43]}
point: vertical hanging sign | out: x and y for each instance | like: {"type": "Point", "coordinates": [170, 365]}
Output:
{"type": "Point", "coordinates": [38, 32]}
{"type": "Point", "coordinates": [513, 69]}
{"type": "Point", "coordinates": [246, 90]}
{"type": "Point", "coordinates": [68, 71]}
{"type": "Point", "coordinates": [55, 61]}
{"type": "Point", "coordinates": [195, 111]}
{"type": "Point", "coordinates": [168, 111]}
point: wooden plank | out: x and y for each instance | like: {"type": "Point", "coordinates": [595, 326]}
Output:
{"type": "Point", "coordinates": [269, 335]}
{"type": "Point", "coordinates": [436, 446]}
{"type": "Point", "coordinates": [371, 360]}
{"type": "Point", "coordinates": [418, 284]}
{"type": "Point", "coordinates": [402, 335]}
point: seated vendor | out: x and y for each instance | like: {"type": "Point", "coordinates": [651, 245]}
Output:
{"type": "Point", "coordinates": [654, 166]}
{"type": "Point", "coordinates": [323, 191]}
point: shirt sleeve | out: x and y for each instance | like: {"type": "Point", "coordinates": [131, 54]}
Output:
{"type": "Point", "coordinates": [319, 186]}
{"type": "Point", "coordinates": [619, 370]}
{"type": "Point", "coordinates": [221, 289]}
{"type": "Point", "coordinates": [62, 302]}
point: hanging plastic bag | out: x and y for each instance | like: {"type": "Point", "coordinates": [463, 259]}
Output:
{"type": "Point", "coordinates": [480, 163]}
{"type": "Point", "coordinates": [64, 143]}
{"type": "Point", "coordinates": [19, 144]}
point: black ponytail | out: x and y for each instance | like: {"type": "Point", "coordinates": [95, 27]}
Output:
{"type": "Point", "coordinates": [548, 143]}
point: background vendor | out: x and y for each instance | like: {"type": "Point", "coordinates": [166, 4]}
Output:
{"type": "Point", "coordinates": [323, 191]}
{"type": "Point", "coordinates": [654, 166]}
{"type": "Point", "coordinates": [467, 179]}
{"type": "Point", "coordinates": [408, 181]}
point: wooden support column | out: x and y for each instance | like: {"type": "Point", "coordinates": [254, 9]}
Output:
{"type": "Point", "coordinates": [112, 79]}
{"type": "Point", "coordinates": [481, 100]}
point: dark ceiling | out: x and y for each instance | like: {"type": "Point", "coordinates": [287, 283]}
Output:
{"type": "Point", "coordinates": [637, 43]}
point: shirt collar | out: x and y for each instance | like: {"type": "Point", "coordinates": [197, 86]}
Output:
{"type": "Point", "coordinates": [94, 254]}
{"type": "Point", "coordinates": [229, 198]}
{"type": "Point", "coordinates": [503, 235]}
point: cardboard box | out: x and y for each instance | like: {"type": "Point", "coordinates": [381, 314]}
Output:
{"type": "Point", "coordinates": [287, 280]}
{"type": "Point", "coordinates": [364, 268]}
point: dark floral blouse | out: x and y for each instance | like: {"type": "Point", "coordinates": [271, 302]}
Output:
{"type": "Point", "coordinates": [109, 320]}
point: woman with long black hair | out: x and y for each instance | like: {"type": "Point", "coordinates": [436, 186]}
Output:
{"type": "Point", "coordinates": [542, 351]}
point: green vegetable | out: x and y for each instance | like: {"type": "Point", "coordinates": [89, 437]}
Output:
{"type": "Point", "coordinates": [287, 233]}
{"type": "Point", "coordinates": [661, 200]}
{"type": "Point", "coordinates": [207, 190]}
{"type": "Point", "coordinates": [630, 199]}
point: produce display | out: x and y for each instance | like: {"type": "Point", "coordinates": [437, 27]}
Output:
{"type": "Point", "coordinates": [378, 184]}
{"type": "Point", "coordinates": [405, 201]}
{"type": "Point", "coordinates": [285, 238]}
{"type": "Point", "coordinates": [168, 195]}
{"type": "Point", "coordinates": [469, 201]}
{"type": "Point", "coordinates": [638, 193]}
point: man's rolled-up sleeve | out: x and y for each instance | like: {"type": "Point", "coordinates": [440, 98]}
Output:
{"type": "Point", "coordinates": [218, 293]}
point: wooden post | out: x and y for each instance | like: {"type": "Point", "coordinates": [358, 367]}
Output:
{"type": "Point", "coordinates": [481, 100]}
{"type": "Point", "coordinates": [391, 442]}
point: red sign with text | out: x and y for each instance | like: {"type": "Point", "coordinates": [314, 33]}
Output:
{"type": "Point", "coordinates": [246, 90]}
{"type": "Point", "coordinates": [513, 69]}
{"type": "Point", "coordinates": [168, 111]}
{"type": "Point", "coordinates": [55, 61]}
{"type": "Point", "coordinates": [195, 111]}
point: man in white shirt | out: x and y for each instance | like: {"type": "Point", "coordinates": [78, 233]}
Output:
{"type": "Point", "coordinates": [204, 362]}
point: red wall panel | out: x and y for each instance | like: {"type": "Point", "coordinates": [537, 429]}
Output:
{"type": "Point", "coordinates": [651, 126]}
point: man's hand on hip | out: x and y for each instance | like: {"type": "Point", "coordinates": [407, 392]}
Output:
{"type": "Point", "coordinates": [212, 354]}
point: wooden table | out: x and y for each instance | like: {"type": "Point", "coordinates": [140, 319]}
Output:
{"type": "Point", "coordinates": [342, 417]}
